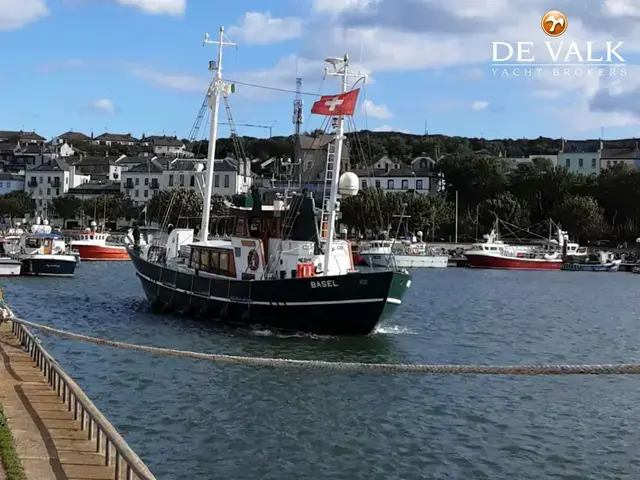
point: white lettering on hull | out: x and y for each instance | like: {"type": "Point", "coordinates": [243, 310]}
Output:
{"type": "Point", "coordinates": [323, 284]}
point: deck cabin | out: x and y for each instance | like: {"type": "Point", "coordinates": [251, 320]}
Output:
{"type": "Point", "coordinates": [270, 242]}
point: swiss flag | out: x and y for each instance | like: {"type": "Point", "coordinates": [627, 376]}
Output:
{"type": "Point", "coordinates": [342, 104]}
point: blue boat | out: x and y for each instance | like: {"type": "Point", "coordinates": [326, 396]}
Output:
{"type": "Point", "coordinates": [601, 262]}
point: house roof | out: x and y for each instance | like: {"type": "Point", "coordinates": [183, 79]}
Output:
{"type": "Point", "coordinates": [166, 142]}
{"type": "Point", "coordinates": [116, 137]}
{"type": "Point", "coordinates": [21, 134]}
{"type": "Point", "coordinates": [6, 147]}
{"type": "Point", "coordinates": [394, 173]}
{"type": "Point", "coordinates": [54, 165]}
{"type": "Point", "coordinates": [11, 176]}
{"type": "Point", "coordinates": [72, 136]}
{"type": "Point", "coordinates": [619, 153]}
{"type": "Point", "coordinates": [32, 150]}
{"type": "Point", "coordinates": [307, 142]}
{"type": "Point", "coordinates": [580, 146]}
{"type": "Point", "coordinates": [146, 167]}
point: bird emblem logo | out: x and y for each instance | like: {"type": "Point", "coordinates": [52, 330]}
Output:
{"type": "Point", "coordinates": [554, 23]}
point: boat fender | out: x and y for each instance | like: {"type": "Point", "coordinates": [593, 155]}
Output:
{"type": "Point", "coordinates": [415, 250]}
{"type": "Point", "coordinates": [407, 249]}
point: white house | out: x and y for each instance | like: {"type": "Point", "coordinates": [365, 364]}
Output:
{"type": "Point", "coordinates": [401, 179]}
{"type": "Point", "coordinates": [103, 168]}
{"type": "Point", "coordinates": [142, 181]}
{"type": "Point", "coordinates": [230, 177]}
{"type": "Point", "coordinates": [11, 182]}
{"type": "Point", "coordinates": [611, 157]}
{"type": "Point", "coordinates": [51, 180]}
{"type": "Point", "coordinates": [581, 156]}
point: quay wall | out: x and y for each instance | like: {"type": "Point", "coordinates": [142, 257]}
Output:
{"type": "Point", "coordinates": [57, 431]}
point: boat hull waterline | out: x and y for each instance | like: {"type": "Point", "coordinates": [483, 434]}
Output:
{"type": "Point", "coordinates": [343, 305]}
{"type": "Point", "coordinates": [585, 267]}
{"type": "Point", "coordinates": [48, 267]}
{"type": "Point", "coordinates": [405, 261]}
{"type": "Point", "coordinates": [10, 267]}
{"type": "Point", "coordinates": [511, 263]}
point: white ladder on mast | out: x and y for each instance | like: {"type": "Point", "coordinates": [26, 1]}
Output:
{"type": "Point", "coordinates": [326, 196]}
{"type": "Point", "coordinates": [237, 144]}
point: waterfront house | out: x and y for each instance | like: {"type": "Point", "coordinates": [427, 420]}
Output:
{"type": "Point", "coordinates": [112, 139]}
{"type": "Point", "coordinates": [611, 157]}
{"type": "Point", "coordinates": [11, 182]}
{"type": "Point", "coordinates": [51, 180]}
{"type": "Point", "coordinates": [581, 156]}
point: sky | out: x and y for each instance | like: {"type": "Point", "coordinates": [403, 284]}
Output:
{"type": "Point", "coordinates": [139, 66]}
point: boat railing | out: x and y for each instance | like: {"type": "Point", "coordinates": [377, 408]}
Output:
{"type": "Point", "coordinates": [92, 421]}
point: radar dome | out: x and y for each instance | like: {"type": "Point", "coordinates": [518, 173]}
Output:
{"type": "Point", "coordinates": [45, 222]}
{"type": "Point", "coordinates": [349, 184]}
{"type": "Point", "coordinates": [199, 167]}
{"type": "Point", "coordinates": [93, 223]}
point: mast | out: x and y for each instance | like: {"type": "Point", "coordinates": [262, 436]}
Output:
{"type": "Point", "coordinates": [297, 121]}
{"type": "Point", "coordinates": [214, 104]}
{"type": "Point", "coordinates": [345, 73]}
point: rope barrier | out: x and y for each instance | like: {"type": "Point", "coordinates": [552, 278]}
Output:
{"type": "Point", "coordinates": [605, 369]}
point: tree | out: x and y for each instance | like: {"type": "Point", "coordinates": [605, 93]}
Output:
{"type": "Point", "coordinates": [581, 216]}
{"type": "Point", "coordinates": [66, 207]}
{"type": "Point", "coordinates": [16, 204]}
{"type": "Point", "coordinates": [179, 206]}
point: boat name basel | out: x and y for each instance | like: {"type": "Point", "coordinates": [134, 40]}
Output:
{"type": "Point", "coordinates": [323, 284]}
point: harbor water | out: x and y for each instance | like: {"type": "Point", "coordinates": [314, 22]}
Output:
{"type": "Point", "coordinates": [198, 420]}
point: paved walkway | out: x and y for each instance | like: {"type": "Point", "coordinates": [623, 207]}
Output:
{"type": "Point", "coordinates": [48, 440]}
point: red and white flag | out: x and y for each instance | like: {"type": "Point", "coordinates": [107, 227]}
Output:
{"type": "Point", "coordinates": [342, 104]}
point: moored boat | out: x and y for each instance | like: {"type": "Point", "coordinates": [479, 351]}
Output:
{"type": "Point", "coordinates": [42, 253]}
{"type": "Point", "coordinates": [92, 245]}
{"type": "Point", "coordinates": [9, 267]}
{"type": "Point", "coordinates": [496, 254]}
{"type": "Point", "coordinates": [283, 268]}
{"type": "Point", "coordinates": [402, 254]}
{"type": "Point", "coordinates": [601, 262]}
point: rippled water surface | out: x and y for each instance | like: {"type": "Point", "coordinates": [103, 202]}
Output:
{"type": "Point", "coordinates": [197, 420]}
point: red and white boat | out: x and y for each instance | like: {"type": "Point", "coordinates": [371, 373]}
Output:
{"type": "Point", "coordinates": [494, 253]}
{"type": "Point", "coordinates": [99, 246]}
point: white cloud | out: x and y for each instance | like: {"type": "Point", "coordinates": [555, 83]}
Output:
{"type": "Point", "coordinates": [16, 14]}
{"type": "Point", "coordinates": [102, 105]}
{"type": "Point", "coordinates": [339, 6]}
{"type": "Point", "coordinates": [547, 94]}
{"type": "Point", "coordinates": [621, 8]}
{"type": "Point", "coordinates": [185, 83]}
{"type": "Point", "coordinates": [262, 28]}
{"type": "Point", "coordinates": [479, 105]}
{"type": "Point", "coordinates": [389, 128]}
{"type": "Point", "coordinates": [376, 111]}
{"type": "Point", "coordinates": [158, 7]}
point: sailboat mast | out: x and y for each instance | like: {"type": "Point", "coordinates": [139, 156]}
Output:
{"type": "Point", "coordinates": [214, 104]}
{"type": "Point", "coordinates": [335, 181]}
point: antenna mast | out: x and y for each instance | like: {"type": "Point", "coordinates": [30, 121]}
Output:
{"type": "Point", "coordinates": [339, 68]}
{"type": "Point", "coordinates": [298, 119]}
{"type": "Point", "coordinates": [217, 87]}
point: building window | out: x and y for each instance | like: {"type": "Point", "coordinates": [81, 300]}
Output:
{"type": "Point", "coordinates": [39, 191]}
{"type": "Point", "coordinates": [593, 163]}
{"type": "Point", "coordinates": [58, 191]}
{"type": "Point", "coordinates": [418, 184]}
{"type": "Point", "coordinates": [363, 184]}
{"type": "Point", "coordinates": [40, 179]}
{"type": "Point", "coordinates": [146, 193]}
{"type": "Point", "coordinates": [226, 181]}
{"type": "Point", "coordinates": [192, 181]}
{"type": "Point", "coordinates": [377, 183]}
{"type": "Point", "coordinates": [135, 194]}
{"type": "Point", "coordinates": [146, 181]}
{"type": "Point", "coordinates": [568, 163]}
{"type": "Point", "coordinates": [137, 181]}
{"type": "Point", "coordinates": [216, 181]}
{"type": "Point", "coordinates": [389, 184]}
{"type": "Point", "coordinates": [1, 185]}
{"type": "Point", "coordinates": [182, 180]}
{"type": "Point", "coordinates": [405, 184]}
{"type": "Point", "coordinates": [171, 180]}
{"type": "Point", "coordinates": [580, 163]}
{"type": "Point", "coordinates": [49, 180]}
{"type": "Point", "coordinates": [48, 191]}
{"type": "Point", "coordinates": [608, 163]}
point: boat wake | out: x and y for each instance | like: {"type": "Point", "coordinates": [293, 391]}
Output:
{"type": "Point", "coordinates": [260, 332]}
{"type": "Point", "coordinates": [394, 330]}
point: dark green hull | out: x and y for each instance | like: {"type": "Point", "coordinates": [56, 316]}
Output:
{"type": "Point", "coordinates": [352, 304]}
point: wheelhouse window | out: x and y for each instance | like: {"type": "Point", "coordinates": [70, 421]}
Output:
{"type": "Point", "coordinates": [213, 260]}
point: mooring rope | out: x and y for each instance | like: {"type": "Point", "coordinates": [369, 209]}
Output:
{"type": "Point", "coordinates": [605, 369]}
